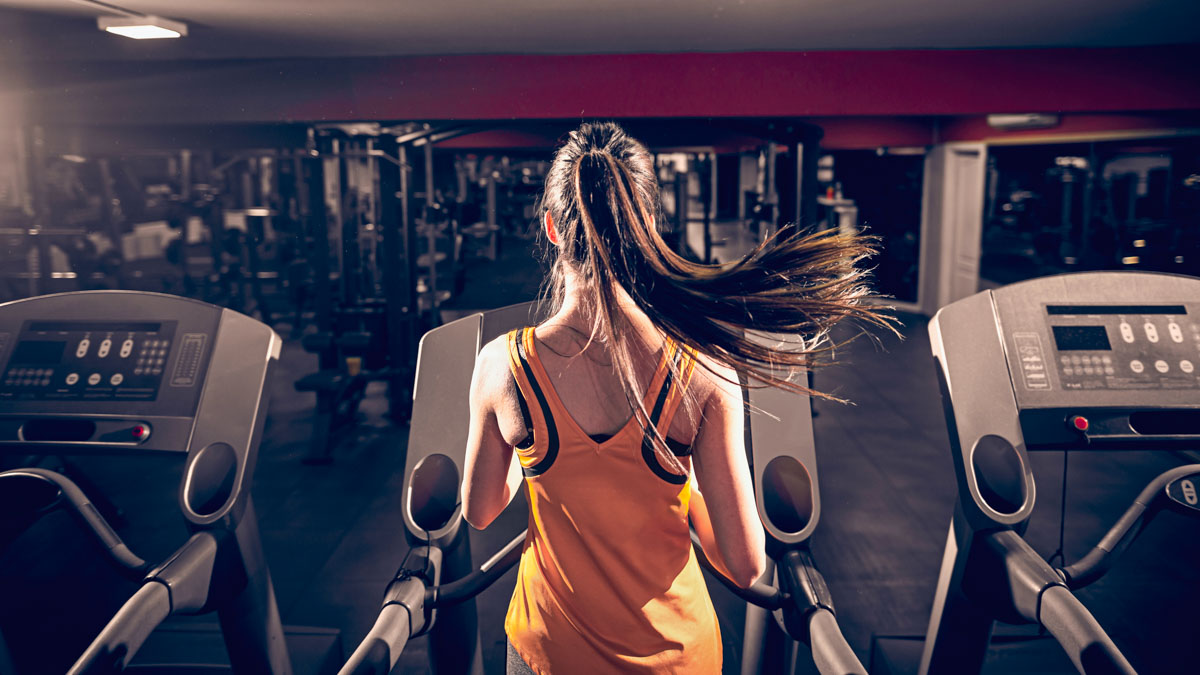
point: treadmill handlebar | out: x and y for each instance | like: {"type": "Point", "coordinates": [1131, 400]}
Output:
{"type": "Point", "coordinates": [808, 613]}
{"type": "Point", "coordinates": [1149, 502]}
{"type": "Point", "coordinates": [379, 652]}
{"type": "Point", "coordinates": [471, 585]}
{"type": "Point", "coordinates": [179, 585]}
{"type": "Point", "coordinates": [124, 635]}
{"type": "Point", "coordinates": [410, 599]}
{"type": "Point", "coordinates": [189, 573]}
{"type": "Point", "coordinates": [1079, 634]}
{"type": "Point", "coordinates": [87, 514]}
{"type": "Point", "coordinates": [1028, 577]}
{"type": "Point", "coordinates": [1036, 593]}
{"type": "Point", "coordinates": [809, 592]}
{"type": "Point", "coordinates": [831, 653]}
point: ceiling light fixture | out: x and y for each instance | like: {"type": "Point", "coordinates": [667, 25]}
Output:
{"type": "Point", "coordinates": [142, 27]}
{"type": "Point", "coordinates": [134, 25]}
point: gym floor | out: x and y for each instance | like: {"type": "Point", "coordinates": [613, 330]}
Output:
{"type": "Point", "coordinates": [333, 534]}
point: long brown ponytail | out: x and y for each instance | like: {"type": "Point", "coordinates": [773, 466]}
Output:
{"type": "Point", "coordinates": [602, 195]}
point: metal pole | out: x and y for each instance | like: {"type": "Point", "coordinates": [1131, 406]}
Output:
{"type": "Point", "coordinates": [706, 199]}
{"type": "Point", "coordinates": [41, 208]}
{"type": "Point", "coordinates": [185, 175]}
{"type": "Point", "coordinates": [771, 193]}
{"type": "Point", "coordinates": [808, 152]}
{"type": "Point", "coordinates": [317, 236]}
{"type": "Point", "coordinates": [431, 234]}
{"type": "Point", "coordinates": [395, 289]}
{"type": "Point", "coordinates": [681, 206]}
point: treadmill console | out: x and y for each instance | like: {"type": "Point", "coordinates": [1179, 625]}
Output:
{"type": "Point", "coordinates": [82, 360]}
{"type": "Point", "coordinates": [1090, 359]}
{"type": "Point", "coordinates": [1117, 347]}
{"type": "Point", "coordinates": [104, 371]}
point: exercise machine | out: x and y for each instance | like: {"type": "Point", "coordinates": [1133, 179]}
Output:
{"type": "Point", "coordinates": [433, 591]}
{"type": "Point", "coordinates": [1081, 362]}
{"type": "Point", "coordinates": [142, 374]}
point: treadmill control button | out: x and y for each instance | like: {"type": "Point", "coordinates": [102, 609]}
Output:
{"type": "Point", "coordinates": [94, 379]}
{"type": "Point", "coordinates": [1186, 366]}
{"type": "Point", "coordinates": [1161, 366]}
{"type": "Point", "coordinates": [1078, 422]}
{"type": "Point", "coordinates": [1136, 366]}
{"type": "Point", "coordinates": [126, 348]}
{"type": "Point", "coordinates": [140, 432]}
{"type": "Point", "coordinates": [72, 378]}
{"type": "Point", "coordinates": [105, 347]}
{"type": "Point", "coordinates": [116, 379]}
{"type": "Point", "coordinates": [1126, 332]}
{"type": "Point", "coordinates": [1151, 332]}
{"type": "Point", "coordinates": [1174, 330]}
{"type": "Point", "coordinates": [82, 349]}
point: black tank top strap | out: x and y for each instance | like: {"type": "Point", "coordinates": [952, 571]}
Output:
{"type": "Point", "coordinates": [674, 359]}
{"type": "Point", "coordinates": [528, 384]}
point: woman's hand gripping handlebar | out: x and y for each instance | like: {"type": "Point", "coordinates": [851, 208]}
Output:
{"type": "Point", "coordinates": [411, 597]}
{"type": "Point", "coordinates": [808, 614]}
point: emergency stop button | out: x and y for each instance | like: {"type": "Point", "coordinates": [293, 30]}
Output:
{"type": "Point", "coordinates": [1078, 422]}
{"type": "Point", "coordinates": [140, 432]}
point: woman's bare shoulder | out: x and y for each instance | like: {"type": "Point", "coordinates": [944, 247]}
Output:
{"type": "Point", "coordinates": [493, 378]}
{"type": "Point", "coordinates": [712, 377]}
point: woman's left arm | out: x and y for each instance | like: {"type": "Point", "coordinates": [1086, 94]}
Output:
{"type": "Point", "coordinates": [492, 474]}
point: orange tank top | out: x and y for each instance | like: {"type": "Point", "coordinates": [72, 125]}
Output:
{"type": "Point", "coordinates": [608, 581]}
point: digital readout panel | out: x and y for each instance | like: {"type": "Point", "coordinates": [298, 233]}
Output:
{"type": "Point", "coordinates": [1125, 346]}
{"type": "Point", "coordinates": [87, 360]}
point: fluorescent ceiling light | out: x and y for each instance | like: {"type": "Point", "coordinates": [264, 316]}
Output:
{"type": "Point", "coordinates": [142, 27]}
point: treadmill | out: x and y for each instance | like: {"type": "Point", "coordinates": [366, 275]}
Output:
{"type": "Point", "coordinates": [121, 372]}
{"type": "Point", "coordinates": [433, 591]}
{"type": "Point", "coordinates": [1081, 362]}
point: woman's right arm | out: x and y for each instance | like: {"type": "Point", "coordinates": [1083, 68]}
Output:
{"type": "Point", "coordinates": [723, 474]}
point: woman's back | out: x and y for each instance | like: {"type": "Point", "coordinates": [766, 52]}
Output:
{"type": "Point", "coordinates": [608, 580]}
{"type": "Point", "coordinates": [588, 386]}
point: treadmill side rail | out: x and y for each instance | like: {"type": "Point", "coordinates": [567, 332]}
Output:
{"type": "Point", "coordinates": [126, 632]}
{"type": "Point", "coordinates": [1081, 637]}
{"type": "Point", "coordinates": [831, 653]}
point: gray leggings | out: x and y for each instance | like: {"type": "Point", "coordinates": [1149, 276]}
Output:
{"type": "Point", "coordinates": [514, 664]}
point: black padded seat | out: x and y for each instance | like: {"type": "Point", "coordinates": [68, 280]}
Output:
{"type": "Point", "coordinates": [317, 342]}
{"type": "Point", "coordinates": [355, 343]}
{"type": "Point", "coordinates": [323, 380]}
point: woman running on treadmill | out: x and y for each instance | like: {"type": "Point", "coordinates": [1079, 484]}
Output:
{"type": "Point", "coordinates": [617, 410]}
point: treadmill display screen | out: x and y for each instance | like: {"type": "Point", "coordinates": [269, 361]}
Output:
{"type": "Point", "coordinates": [88, 361]}
{"type": "Point", "coordinates": [1079, 338]}
{"type": "Point", "coordinates": [42, 352]}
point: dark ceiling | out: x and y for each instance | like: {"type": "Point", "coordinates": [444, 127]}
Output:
{"type": "Point", "coordinates": [35, 30]}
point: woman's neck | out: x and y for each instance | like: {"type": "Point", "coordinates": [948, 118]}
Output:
{"type": "Point", "coordinates": [577, 308]}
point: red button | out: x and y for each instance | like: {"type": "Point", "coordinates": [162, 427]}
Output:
{"type": "Point", "coordinates": [1079, 422]}
{"type": "Point", "coordinates": [140, 432]}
